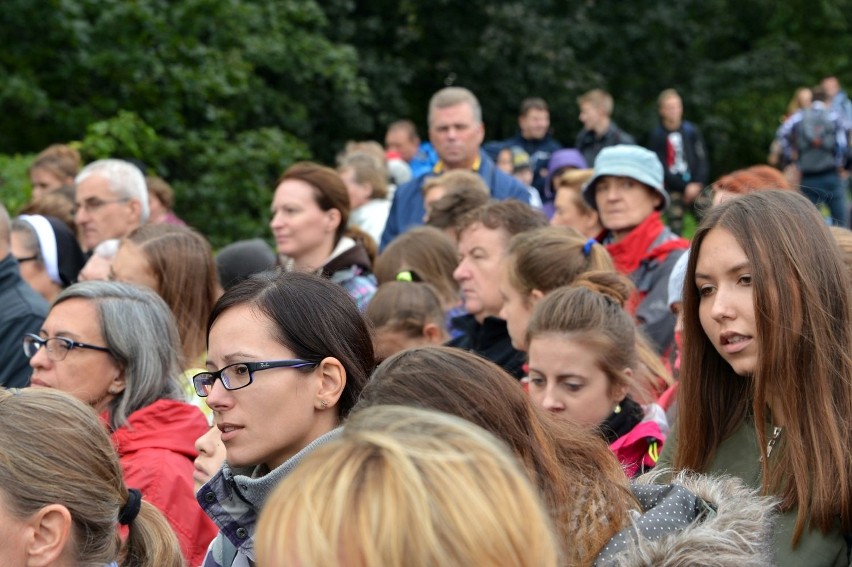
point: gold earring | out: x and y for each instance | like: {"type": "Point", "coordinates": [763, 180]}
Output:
{"type": "Point", "coordinates": [323, 404]}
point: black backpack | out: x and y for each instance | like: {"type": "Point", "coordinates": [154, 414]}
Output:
{"type": "Point", "coordinates": [816, 140]}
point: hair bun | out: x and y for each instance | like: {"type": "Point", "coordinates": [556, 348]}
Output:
{"type": "Point", "coordinates": [612, 285]}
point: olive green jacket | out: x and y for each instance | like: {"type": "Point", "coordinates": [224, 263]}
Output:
{"type": "Point", "coordinates": [739, 456]}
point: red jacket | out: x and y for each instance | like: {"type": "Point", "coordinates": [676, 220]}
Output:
{"type": "Point", "coordinates": [156, 449]}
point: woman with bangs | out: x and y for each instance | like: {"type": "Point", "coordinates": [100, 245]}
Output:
{"type": "Point", "coordinates": [766, 382]}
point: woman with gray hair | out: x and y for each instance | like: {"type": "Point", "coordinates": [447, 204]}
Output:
{"type": "Point", "coordinates": [125, 364]}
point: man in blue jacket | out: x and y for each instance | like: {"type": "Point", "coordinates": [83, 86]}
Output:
{"type": "Point", "coordinates": [456, 132]}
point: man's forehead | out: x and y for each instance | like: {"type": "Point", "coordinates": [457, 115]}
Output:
{"type": "Point", "coordinates": [461, 112]}
{"type": "Point", "coordinates": [93, 186]}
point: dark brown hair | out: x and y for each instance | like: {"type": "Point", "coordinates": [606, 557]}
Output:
{"type": "Point", "coordinates": [582, 484]}
{"type": "Point", "coordinates": [803, 337]}
{"type": "Point", "coordinates": [313, 317]}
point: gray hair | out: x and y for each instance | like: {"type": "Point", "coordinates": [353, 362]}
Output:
{"type": "Point", "coordinates": [140, 333]}
{"type": "Point", "coordinates": [125, 180]}
{"type": "Point", "coordinates": [29, 238]}
{"type": "Point", "coordinates": [452, 96]}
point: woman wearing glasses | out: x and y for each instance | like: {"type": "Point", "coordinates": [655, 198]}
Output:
{"type": "Point", "coordinates": [288, 354]}
{"type": "Point", "coordinates": [115, 346]}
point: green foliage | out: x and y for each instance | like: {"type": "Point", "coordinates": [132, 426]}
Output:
{"type": "Point", "coordinates": [219, 96]}
{"type": "Point", "coordinates": [214, 95]}
{"type": "Point", "coordinates": [14, 181]}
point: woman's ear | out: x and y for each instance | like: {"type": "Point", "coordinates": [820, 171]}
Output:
{"type": "Point", "coordinates": [51, 530]}
{"type": "Point", "coordinates": [334, 217]}
{"type": "Point", "coordinates": [535, 296]}
{"type": "Point", "coordinates": [332, 377]}
{"type": "Point", "coordinates": [434, 334]}
{"type": "Point", "coordinates": [620, 392]}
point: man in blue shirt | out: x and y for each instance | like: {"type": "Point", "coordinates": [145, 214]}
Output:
{"type": "Point", "coordinates": [403, 139]}
{"type": "Point", "coordinates": [456, 132]}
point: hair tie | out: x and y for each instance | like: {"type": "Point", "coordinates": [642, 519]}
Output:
{"type": "Point", "coordinates": [131, 508]}
{"type": "Point", "coordinates": [408, 276]}
{"type": "Point", "coordinates": [587, 247]}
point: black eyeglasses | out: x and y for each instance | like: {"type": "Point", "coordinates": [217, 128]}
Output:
{"type": "Point", "coordinates": [93, 204]}
{"type": "Point", "coordinates": [241, 374]}
{"type": "Point", "coordinates": [57, 347]}
{"type": "Point", "coordinates": [27, 259]}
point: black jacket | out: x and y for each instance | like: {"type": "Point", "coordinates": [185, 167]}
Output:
{"type": "Point", "coordinates": [489, 340]}
{"type": "Point", "coordinates": [590, 145]}
{"type": "Point", "coordinates": [695, 153]}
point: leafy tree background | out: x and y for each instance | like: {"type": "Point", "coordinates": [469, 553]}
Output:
{"type": "Point", "coordinates": [220, 96]}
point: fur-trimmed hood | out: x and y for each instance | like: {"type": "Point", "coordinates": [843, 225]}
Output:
{"type": "Point", "coordinates": [713, 521]}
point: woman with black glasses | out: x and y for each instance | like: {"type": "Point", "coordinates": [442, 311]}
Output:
{"type": "Point", "coordinates": [115, 347]}
{"type": "Point", "coordinates": [288, 354]}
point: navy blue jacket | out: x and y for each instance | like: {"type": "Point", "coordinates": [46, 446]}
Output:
{"type": "Point", "coordinates": [539, 152]}
{"type": "Point", "coordinates": [407, 209]}
{"type": "Point", "coordinates": [22, 311]}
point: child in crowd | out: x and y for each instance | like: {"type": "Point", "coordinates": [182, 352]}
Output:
{"type": "Point", "coordinates": [405, 314]}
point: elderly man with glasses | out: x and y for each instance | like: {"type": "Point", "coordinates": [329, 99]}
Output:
{"type": "Point", "coordinates": [111, 201]}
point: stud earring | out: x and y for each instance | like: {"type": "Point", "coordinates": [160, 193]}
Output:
{"type": "Point", "coordinates": [323, 404]}
{"type": "Point", "coordinates": [617, 408]}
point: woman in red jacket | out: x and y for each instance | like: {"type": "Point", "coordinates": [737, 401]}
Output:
{"type": "Point", "coordinates": [115, 346]}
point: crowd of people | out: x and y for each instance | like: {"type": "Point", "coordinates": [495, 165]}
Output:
{"type": "Point", "coordinates": [457, 352]}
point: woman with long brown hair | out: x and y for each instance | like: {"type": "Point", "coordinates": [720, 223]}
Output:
{"type": "Point", "coordinates": [766, 382]}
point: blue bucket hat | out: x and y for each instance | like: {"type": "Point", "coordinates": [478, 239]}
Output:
{"type": "Point", "coordinates": [634, 162]}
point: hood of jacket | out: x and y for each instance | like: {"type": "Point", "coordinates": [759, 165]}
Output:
{"type": "Point", "coordinates": [696, 520]}
{"type": "Point", "coordinates": [166, 424]}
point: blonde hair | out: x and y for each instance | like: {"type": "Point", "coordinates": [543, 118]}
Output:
{"type": "Point", "coordinates": [406, 486]}
{"type": "Point", "coordinates": [367, 169]}
{"type": "Point", "coordinates": [455, 180]}
{"type": "Point", "coordinates": [55, 450]}
{"type": "Point", "coordinates": [598, 98]}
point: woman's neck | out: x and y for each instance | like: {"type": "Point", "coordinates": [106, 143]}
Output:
{"type": "Point", "coordinates": [314, 259]}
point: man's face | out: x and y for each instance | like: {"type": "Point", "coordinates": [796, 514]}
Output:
{"type": "Point", "coordinates": [671, 110]}
{"type": "Point", "coordinates": [590, 115]}
{"type": "Point", "coordinates": [831, 86]}
{"type": "Point", "coordinates": [534, 124]}
{"type": "Point", "coordinates": [400, 141]}
{"type": "Point", "coordinates": [101, 214]}
{"type": "Point", "coordinates": [478, 272]}
{"type": "Point", "coordinates": [456, 135]}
